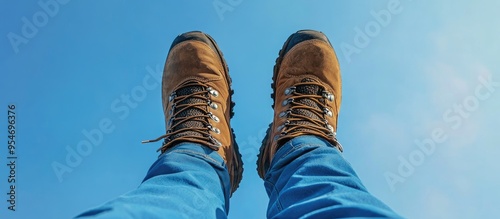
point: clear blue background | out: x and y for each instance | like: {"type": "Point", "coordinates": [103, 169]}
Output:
{"type": "Point", "coordinates": [396, 90]}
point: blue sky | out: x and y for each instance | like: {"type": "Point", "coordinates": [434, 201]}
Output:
{"type": "Point", "coordinates": [429, 73]}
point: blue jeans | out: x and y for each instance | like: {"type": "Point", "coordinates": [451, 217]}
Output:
{"type": "Point", "coordinates": [308, 178]}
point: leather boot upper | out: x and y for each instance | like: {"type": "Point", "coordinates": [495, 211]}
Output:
{"type": "Point", "coordinates": [196, 98]}
{"type": "Point", "coordinates": [307, 94]}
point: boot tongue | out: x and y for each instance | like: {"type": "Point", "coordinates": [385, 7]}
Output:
{"type": "Point", "coordinates": [308, 90]}
{"type": "Point", "coordinates": [188, 112]}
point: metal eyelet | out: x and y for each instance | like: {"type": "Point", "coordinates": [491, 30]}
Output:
{"type": "Point", "coordinates": [276, 137]}
{"type": "Point", "coordinates": [171, 97]}
{"type": "Point", "coordinates": [213, 129]}
{"type": "Point", "coordinates": [283, 125]}
{"type": "Point", "coordinates": [280, 128]}
{"type": "Point", "coordinates": [216, 142]}
{"type": "Point", "coordinates": [289, 90]}
{"type": "Point", "coordinates": [284, 113]}
{"type": "Point", "coordinates": [328, 112]}
{"type": "Point", "coordinates": [170, 121]}
{"type": "Point", "coordinates": [330, 128]}
{"type": "Point", "coordinates": [328, 96]}
{"type": "Point", "coordinates": [172, 109]}
{"type": "Point", "coordinates": [213, 117]}
{"type": "Point", "coordinates": [213, 92]}
{"type": "Point", "coordinates": [287, 101]}
{"type": "Point", "coordinates": [213, 105]}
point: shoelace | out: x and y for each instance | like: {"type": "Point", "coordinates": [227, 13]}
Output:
{"type": "Point", "coordinates": [202, 133]}
{"type": "Point", "coordinates": [297, 121]}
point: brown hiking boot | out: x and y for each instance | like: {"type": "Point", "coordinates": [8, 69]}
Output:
{"type": "Point", "coordinates": [197, 102]}
{"type": "Point", "coordinates": [306, 92]}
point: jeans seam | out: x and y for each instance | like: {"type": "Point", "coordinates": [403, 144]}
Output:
{"type": "Point", "coordinates": [278, 202]}
{"type": "Point", "coordinates": [294, 148]}
{"type": "Point", "coordinates": [204, 156]}
{"type": "Point", "coordinates": [297, 147]}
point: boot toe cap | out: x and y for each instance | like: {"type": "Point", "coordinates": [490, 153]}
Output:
{"type": "Point", "coordinates": [194, 35]}
{"type": "Point", "coordinates": [304, 35]}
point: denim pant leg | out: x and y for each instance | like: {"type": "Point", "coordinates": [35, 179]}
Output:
{"type": "Point", "coordinates": [309, 178]}
{"type": "Point", "coordinates": [187, 181]}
